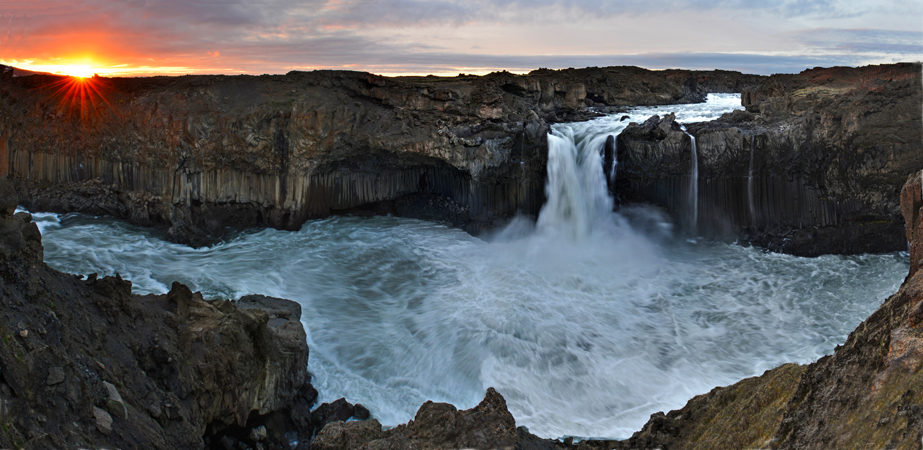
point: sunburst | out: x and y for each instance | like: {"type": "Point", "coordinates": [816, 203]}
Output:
{"type": "Point", "coordinates": [80, 94]}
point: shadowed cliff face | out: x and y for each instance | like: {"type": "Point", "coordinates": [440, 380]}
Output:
{"type": "Point", "coordinates": [815, 165]}
{"type": "Point", "coordinates": [198, 154]}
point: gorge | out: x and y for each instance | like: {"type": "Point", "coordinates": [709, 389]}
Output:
{"type": "Point", "coordinates": [532, 307]}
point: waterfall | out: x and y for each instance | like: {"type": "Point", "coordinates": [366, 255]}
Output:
{"type": "Point", "coordinates": [611, 157]}
{"type": "Point", "coordinates": [576, 188]}
{"type": "Point", "coordinates": [750, 184]}
{"type": "Point", "coordinates": [692, 204]}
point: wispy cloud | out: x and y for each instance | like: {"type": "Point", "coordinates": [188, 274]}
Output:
{"type": "Point", "coordinates": [444, 36]}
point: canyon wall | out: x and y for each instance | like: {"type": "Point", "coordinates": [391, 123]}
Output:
{"type": "Point", "coordinates": [814, 165]}
{"type": "Point", "coordinates": [197, 154]}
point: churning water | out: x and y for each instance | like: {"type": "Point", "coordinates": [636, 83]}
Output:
{"type": "Point", "coordinates": [586, 321]}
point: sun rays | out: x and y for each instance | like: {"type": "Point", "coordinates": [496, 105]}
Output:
{"type": "Point", "coordinates": [81, 95]}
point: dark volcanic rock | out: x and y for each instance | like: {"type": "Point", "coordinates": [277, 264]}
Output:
{"type": "Point", "coordinates": [815, 165]}
{"type": "Point", "coordinates": [489, 425]}
{"type": "Point", "coordinates": [198, 154]}
{"type": "Point", "coordinates": [912, 210]}
{"type": "Point", "coordinates": [84, 363]}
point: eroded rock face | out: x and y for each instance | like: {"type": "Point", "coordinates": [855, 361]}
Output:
{"type": "Point", "coordinates": [84, 363]}
{"type": "Point", "coordinates": [198, 154]}
{"type": "Point", "coordinates": [815, 165]}
{"type": "Point", "coordinates": [912, 210]}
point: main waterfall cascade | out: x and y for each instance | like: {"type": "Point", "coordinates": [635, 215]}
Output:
{"type": "Point", "coordinates": [586, 322]}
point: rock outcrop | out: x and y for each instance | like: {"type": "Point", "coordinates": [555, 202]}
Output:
{"type": "Point", "coordinates": [813, 166]}
{"type": "Point", "coordinates": [197, 154]}
{"type": "Point", "coordinates": [86, 364]}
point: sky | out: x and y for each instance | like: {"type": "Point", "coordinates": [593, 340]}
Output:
{"type": "Point", "coordinates": [448, 37]}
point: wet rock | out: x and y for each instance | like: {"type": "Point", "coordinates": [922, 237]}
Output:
{"type": "Point", "coordinates": [114, 403]}
{"type": "Point", "coordinates": [338, 411]}
{"type": "Point", "coordinates": [489, 425]}
{"type": "Point", "coordinates": [55, 376]}
{"type": "Point", "coordinates": [258, 433]}
{"type": "Point", "coordinates": [361, 412]}
{"type": "Point", "coordinates": [347, 435]}
{"type": "Point", "coordinates": [103, 421]}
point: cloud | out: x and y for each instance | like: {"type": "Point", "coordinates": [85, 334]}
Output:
{"type": "Point", "coordinates": [403, 36]}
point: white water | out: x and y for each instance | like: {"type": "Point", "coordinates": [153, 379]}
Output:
{"type": "Point", "coordinates": [587, 321]}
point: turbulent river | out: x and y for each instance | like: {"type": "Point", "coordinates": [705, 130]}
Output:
{"type": "Point", "coordinates": [587, 321]}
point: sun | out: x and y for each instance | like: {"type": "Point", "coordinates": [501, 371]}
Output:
{"type": "Point", "coordinates": [78, 71]}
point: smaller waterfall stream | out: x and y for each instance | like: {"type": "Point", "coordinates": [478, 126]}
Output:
{"type": "Point", "coordinates": [750, 184]}
{"type": "Point", "coordinates": [693, 200]}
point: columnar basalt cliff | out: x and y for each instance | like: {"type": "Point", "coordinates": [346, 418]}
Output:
{"type": "Point", "coordinates": [198, 154]}
{"type": "Point", "coordinates": [814, 165]}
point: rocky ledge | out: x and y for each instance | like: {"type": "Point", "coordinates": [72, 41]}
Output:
{"type": "Point", "coordinates": [813, 166]}
{"type": "Point", "coordinates": [197, 154]}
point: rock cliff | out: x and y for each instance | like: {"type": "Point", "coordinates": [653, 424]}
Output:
{"type": "Point", "coordinates": [814, 165]}
{"type": "Point", "coordinates": [196, 154]}
{"type": "Point", "coordinates": [86, 364]}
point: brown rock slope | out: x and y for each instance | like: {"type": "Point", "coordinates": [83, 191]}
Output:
{"type": "Point", "coordinates": [815, 165]}
{"type": "Point", "coordinates": [199, 153]}
{"type": "Point", "coordinates": [86, 364]}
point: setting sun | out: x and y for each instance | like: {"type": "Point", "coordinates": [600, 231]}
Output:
{"type": "Point", "coordinates": [78, 71]}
